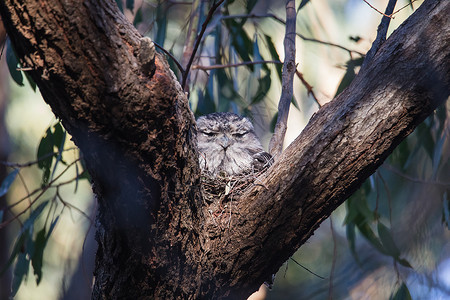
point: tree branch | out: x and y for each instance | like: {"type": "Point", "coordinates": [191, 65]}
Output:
{"type": "Point", "coordinates": [281, 21]}
{"type": "Point", "coordinates": [244, 63]}
{"type": "Point", "coordinates": [347, 140]}
{"type": "Point", "coordinates": [287, 91]}
{"type": "Point", "coordinates": [198, 40]}
{"type": "Point", "coordinates": [381, 33]}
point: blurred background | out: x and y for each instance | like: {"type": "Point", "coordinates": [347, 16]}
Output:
{"type": "Point", "coordinates": [390, 239]}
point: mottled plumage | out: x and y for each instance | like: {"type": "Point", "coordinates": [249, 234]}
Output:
{"type": "Point", "coordinates": [228, 145]}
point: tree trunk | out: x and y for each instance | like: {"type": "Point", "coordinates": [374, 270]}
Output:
{"type": "Point", "coordinates": [131, 119]}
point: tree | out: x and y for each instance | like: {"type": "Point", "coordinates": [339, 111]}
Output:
{"type": "Point", "coordinates": [130, 117]}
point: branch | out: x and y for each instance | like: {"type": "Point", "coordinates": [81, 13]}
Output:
{"type": "Point", "coordinates": [309, 88]}
{"type": "Point", "coordinates": [180, 67]}
{"type": "Point", "coordinates": [281, 21]}
{"type": "Point", "coordinates": [289, 68]}
{"type": "Point", "coordinates": [343, 144]}
{"type": "Point", "coordinates": [194, 20]}
{"type": "Point", "coordinates": [198, 40]}
{"type": "Point", "coordinates": [244, 63]}
{"type": "Point", "coordinates": [381, 33]}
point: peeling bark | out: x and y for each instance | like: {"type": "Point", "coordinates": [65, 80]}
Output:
{"type": "Point", "coordinates": [131, 119]}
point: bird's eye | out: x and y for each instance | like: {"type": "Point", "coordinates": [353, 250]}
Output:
{"type": "Point", "coordinates": [239, 134]}
{"type": "Point", "coordinates": [209, 133]}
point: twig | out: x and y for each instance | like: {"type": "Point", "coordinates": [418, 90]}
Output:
{"type": "Point", "coordinates": [197, 42]}
{"type": "Point", "coordinates": [171, 56]}
{"type": "Point", "coordinates": [194, 20]}
{"type": "Point", "coordinates": [374, 8]}
{"type": "Point", "coordinates": [403, 7]}
{"type": "Point", "coordinates": [381, 34]}
{"type": "Point", "coordinates": [29, 164]}
{"type": "Point", "coordinates": [306, 39]}
{"type": "Point", "coordinates": [287, 91]}
{"type": "Point", "coordinates": [299, 264]}
{"type": "Point", "coordinates": [308, 87]}
{"type": "Point", "coordinates": [244, 63]}
{"type": "Point", "coordinates": [45, 188]}
{"type": "Point", "coordinates": [412, 179]}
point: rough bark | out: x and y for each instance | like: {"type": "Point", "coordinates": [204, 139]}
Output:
{"type": "Point", "coordinates": [132, 122]}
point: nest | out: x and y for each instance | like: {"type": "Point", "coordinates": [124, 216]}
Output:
{"type": "Point", "coordinates": [220, 191]}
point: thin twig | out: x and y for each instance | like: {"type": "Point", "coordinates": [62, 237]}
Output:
{"type": "Point", "coordinates": [30, 163]}
{"type": "Point", "coordinates": [244, 63]}
{"type": "Point", "coordinates": [171, 56]}
{"type": "Point", "coordinates": [194, 20]}
{"type": "Point", "coordinates": [412, 179]}
{"type": "Point", "coordinates": [287, 91]}
{"type": "Point", "coordinates": [374, 8]}
{"type": "Point", "coordinates": [198, 40]}
{"type": "Point", "coordinates": [308, 87]}
{"type": "Point", "coordinates": [306, 39]}
{"type": "Point", "coordinates": [44, 188]}
{"type": "Point", "coordinates": [25, 187]}
{"type": "Point", "coordinates": [381, 34]}
{"type": "Point", "coordinates": [308, 270]}
{"type": "Point", "coordinates": [403, 7]}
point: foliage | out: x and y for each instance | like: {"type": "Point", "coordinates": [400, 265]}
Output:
{"type": "Point", "coordinates": [237, 65]}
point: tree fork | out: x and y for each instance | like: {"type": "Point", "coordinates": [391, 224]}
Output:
{"type": "Point", "coordinates": [131, 119]}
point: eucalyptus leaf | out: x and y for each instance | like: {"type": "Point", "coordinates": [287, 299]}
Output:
{"type": "Point", "coordinates": [402, 293]}
{"type": "Point", "coordinates": [13, 63]}
{"type": "Point", "coordinates": [302, 4]}
{"type": "Point", "coordinates": [130, 4]}
{"type": "Point", "coordinates": [45, 155]}
{"type": "Point", "coordinates": [387, 241]}
{"type": "Point", "coordinates": [6, 184]}
{"type": "Point", "coordinates": [20, 272]}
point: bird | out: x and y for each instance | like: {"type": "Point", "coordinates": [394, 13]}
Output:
{"type": "Point", "coordinates": [228, 145]}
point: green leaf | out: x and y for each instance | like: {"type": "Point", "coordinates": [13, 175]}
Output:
{"type": "Point", "coordinates": [138, 18]}
{"type": "Point", "coordinates": [19, 247]}
{"type": "Point", "coordinates": [263, 87]}
{"type": "Point", "coordinates": [120, 5]}
{"type": "Point", "coordinates": [302, 4]}
{"type": "Point", "coordinates": [426, 139]}
{"type": "Point", "coordinates": [161, 23]}
{"type": "Point", "coordinates": [371, 237]}
{"type": "Point", "coordinates": [250, 4]}
{"type": "Point", "coordinates": [240, 41]}
{"type": "Point", "coordinates": [6, 184]}
{"type": "Point", "coordinates": [23, 242]}
{"type": "Point", "coordinates": [33, 216]}
{"type": "Point", "coordinates": [45, 155]}
{"type": "Point", "coordinates": [274, 54]}
{"type": "Point", "coordinates": [39, 244]}
{"type": "Point", "coordinates": [13, 63]}
{"type": "Point", "coordinates": [351, 239]}
{"type": "Point", "coordinates": [349, 74]}
{"type": "Point", "coordinates": [273, 122]}
{"type": "Point", "coordinates": [402, 293]}
{"type": "Point", "coordinates": [388, 241]}
{"type": "Point", "coordinates": [404, 263]}
{"type": "Point", "coordinates": [20, 272]}
{"type": "Point", "coordinates": [30, 81]}
{"type": "Point", "coordinates": [130, 4]}
{"type": "Point", "coordinates": [58, 138]}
